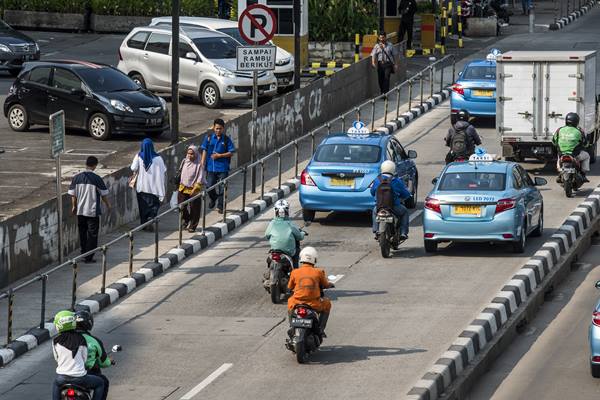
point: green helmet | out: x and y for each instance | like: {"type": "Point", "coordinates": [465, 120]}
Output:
{"type": "Point", "coordinates": [64, 321]}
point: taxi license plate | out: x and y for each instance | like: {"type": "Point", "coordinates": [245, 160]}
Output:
{"type": "Point", "coordinates": [301, 323]}
{"type": "Point", "coordinates": [467, 210]}
{"type": "Point", "coordinates": [342, 181]}
{"type": "Point", "coordinates": [483, 93]}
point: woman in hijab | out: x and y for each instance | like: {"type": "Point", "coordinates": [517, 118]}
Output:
{"type": "Point", "coordinates": [150, 182]}
{"type": "Point", "coordinates": [192, 180]}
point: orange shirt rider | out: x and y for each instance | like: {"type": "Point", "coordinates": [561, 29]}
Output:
{"type": "Point", "coordinates": [306, 283]}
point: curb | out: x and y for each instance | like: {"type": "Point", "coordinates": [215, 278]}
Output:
{"type": "Point", "coordinates": [522, 290]}
{"type": "Point", "coordinates": [415, 112]}
{"type": "Point", "coordinates": [564, 21]}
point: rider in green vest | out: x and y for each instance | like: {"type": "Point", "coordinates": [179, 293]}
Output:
{"type": "Point", "coordinates": [570, 140]}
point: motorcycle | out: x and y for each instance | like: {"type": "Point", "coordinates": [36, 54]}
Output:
{"type": "Point", "coordinates": [304, 335]}
{"type": "Point", "coordinates": [388, 234]}
{"type": "Point", "coordinates": [71, 391]}
{"type": "Point", "coordinates": [569, 174]}
{"type": "Point", "coordinates": [276, 278]}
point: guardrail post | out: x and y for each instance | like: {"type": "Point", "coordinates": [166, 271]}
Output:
{"type": "Point", "coordinates": [410, 94]}
{"type": "Point", "coordinates": [225, 192]}
{"type": "Point", "coordinates": [130, 254]}
{"type": "Point", "coordinates": [203, 210]}
{"type": "Point", "coordinates": [104, 262]}
{"type": "Point", "coordinates": [179, 224]}
{"type": "Point", "coordinates": [421, 87]}
{"type": "Point", "coordinates": [296, 158]}
{"type": "Point", "coordinates": [385, 109]}
{"type": "Point", "coordinates": [453, 70]}
{"type": "Point", "coordinates": [312, 142]}
{"type": "Point", "coordinates": [372, 115]}
{"type": "Point", "coordinates": [244, 183]}
{"type": "Point", "coordinates": [74, 286]}
{"type": "Point", "coordinates": [278, 169]}
{"type": "Point", "coordinates": [343, 118]}
{"type": "Point", "coordinates": [442, 78]}
{"type": "Point", "coordinates": [11, 298]}
{"type": "Point", "coordinates": [357, 113]}
{"type": "Point", "coordinates": [328, 128]}
{"type": "Point", "coordinates": [156, 240]}
{"type": "Point", "coordinates": [43, 308]}
{"type": "Point", "coordinates": [262, 179]}
{"type": "Point", "coordinates": [398, 103]}
{"type": "Point", "coordinates": [431, 77]}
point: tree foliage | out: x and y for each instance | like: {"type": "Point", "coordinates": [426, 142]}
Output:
{"type": "Point", "coordinates": [340, 20]}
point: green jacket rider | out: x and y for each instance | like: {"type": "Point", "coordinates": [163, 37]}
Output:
{"type": "Point", "coordinates": [570, 140]}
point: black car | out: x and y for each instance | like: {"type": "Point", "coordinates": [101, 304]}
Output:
{"type": "Point", "coordinates": [95, 97]}
{"type": "Point", "coordinates": [15, 49]}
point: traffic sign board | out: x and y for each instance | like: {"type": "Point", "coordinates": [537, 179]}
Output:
{"type": "Point", "coordinates": [256, 58]}
{"type": "Point", "coordinates": [257, 24]}
{"type": "Point", "coordinates": [57, 133]}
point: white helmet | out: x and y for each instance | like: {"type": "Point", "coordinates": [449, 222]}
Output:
{"type": "Point", "coordinates": [309, 255]}
{"type": "Point", "coordinates": [282, 208]}
{"type": "Point", "coordinates": [388, 167]}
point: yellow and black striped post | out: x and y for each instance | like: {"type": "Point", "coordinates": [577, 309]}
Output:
{"type": "Point", "coordinates": [459, 25]}
{"type": "Point", "coordinates": [443, 31]}
{"type": "Point", "coordinates": [356, 48]}
{"type": "Point", "coordinates": [450, 18]}
{"type": "Point", "coordinates": [11, 297]}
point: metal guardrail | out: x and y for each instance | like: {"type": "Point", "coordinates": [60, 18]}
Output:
{"type": "Point", "coordinates": [428, 72]}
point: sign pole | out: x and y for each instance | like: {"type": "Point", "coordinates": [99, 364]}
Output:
{"type": "Point", "coordinates": [59, 206]}
{"type": "Point", "coordinates": [254, 133]}
{"type": "Point", "coordinates": [57, 146]}
{"type": "Point", "coordinates": [175, 72]}
{"type": "Point", "coordinates": [297, 51]}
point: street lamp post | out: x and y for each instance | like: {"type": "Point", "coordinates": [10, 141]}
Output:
{"type": "Point", "coordinates": [175, 72]}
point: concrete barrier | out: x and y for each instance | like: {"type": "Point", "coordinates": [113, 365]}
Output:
{"type": "Point", "coordinates": [44, 20]}
{"type": "Point", "coordinates": [478, 27]}
{"type": "Point", "coordinates": [112, 24]}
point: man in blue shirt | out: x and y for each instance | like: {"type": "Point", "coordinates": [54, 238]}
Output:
{"type": "Point", "coordinates": [388, 172]}
{"type": "Point", "coordinates": [217, 150]}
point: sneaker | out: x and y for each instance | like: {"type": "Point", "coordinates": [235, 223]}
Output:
{"type": "Point", "coordinates": [377, 236]}
{"type": "Point", "coordinates": [212, 203]}
{"type": "Point", "coordinates": [402, 237]}
{"type": "Point", "coordinates": [585, 179]}
{"type": "Point", "coordinates": [220, 211]}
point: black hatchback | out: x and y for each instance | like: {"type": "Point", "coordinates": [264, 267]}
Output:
{"type": "Point", "coordinates": [15, 49]}
{"type": "Point", "coordinates": [94, 97]}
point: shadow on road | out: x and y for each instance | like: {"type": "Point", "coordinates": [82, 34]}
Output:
{"type": "Point", "coordinates": [335, 294]}
{"type": "Point", "coordinates": [349, 354]}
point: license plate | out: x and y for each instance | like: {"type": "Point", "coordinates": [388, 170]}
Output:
{"type": "Point", "coordinates": [483, 93]}
{"type": "Point", "coordinates": [467, 210]}
{"type": "Point", "coordinates": [301, 323]}
{"type": "Point", "coordinates": [153, 121]}
{"type": "Point", "coordinates": [282, 81]}
{"type": "Point", "coordinates": [342, 181]}
{"type": "Point", "coordinates": [385, 219]}
{"type": "Point", "coordinates": [569, 170]}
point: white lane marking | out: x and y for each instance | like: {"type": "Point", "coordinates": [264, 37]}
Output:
{"type": "Point", "coordinates": [334, 278]}
{"type": "Point", "coordinates": [415, 215]}
{"type": "Point", "coordinates": [209, 379]}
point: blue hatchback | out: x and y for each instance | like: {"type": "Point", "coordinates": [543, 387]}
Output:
{"type": "Point", "coordinates": [343, 168]}
{"type": "Point", "coordinates": [475, 89]}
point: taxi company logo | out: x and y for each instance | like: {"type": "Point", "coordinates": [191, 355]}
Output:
{"type": "Point", "coordinates": [467, 198]}
{"type": "Point", "coordinates": [342, 175]}
{"type": "Point", "coordinates": [358, 127]}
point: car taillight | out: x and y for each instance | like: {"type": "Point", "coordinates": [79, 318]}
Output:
{"type": "Point", "coordinates": [71, 393]}
{"type": "Point", "coordinates": [456, 88]}
{"type": "Point", "coordinates": [433, 205]}
{"type": "Point", "coordinates": [507, 235]}
{"type": "Point", "coordinates": [275, 256]}
{"type": "Point", "coordinates": [566, 159]}
{"type": "Point", "coordinates": [429, 235]}
{"type": "Point", "coordinates": [305, 179]}
{"type": "Point", "coordinates": [505, 204]}
{"type": "Point", "coordinates": [302, 312]}
{"type": "Point", "coordinates": [596, 318]}
{"type": "Point", "coordinates": [596, 359]}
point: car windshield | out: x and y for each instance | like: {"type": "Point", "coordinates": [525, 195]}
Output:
{"type": "Point", "coordinates": [106, 80]}
{"type": "Point", "coordinates": [233, 32]}
{"type": "Point", "coordinates": [217, 47]}
{"type": "Point", "coordinates": [348, 153]}
{"type": "Point", "coordinates": [480, 73]}
{"type": "Point", "coordinates": [476, 181]}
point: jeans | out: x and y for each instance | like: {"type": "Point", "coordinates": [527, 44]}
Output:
{"type": "Point", "coordinates": [406, 28]}
{"type": "Point", "coordinates": [400, 212]}
{"type": "Point", "coordinates": [384, 71]}
{"type": "Point", "coordinates": [148, 205]}
{"type": "Point", "coordinates": [98, 372]}
{"type": "Point", "coordinates": [88, 233]}
{"type": "Point", "coordinates": [216, 195]}
{"type": "Point", "coordinates": [526, 4]}
{"type": "Point", "coordinates": [92, 382]}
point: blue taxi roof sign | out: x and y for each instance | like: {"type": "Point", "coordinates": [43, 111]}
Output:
{"type": "Point", "coordinates": [358, 128]}
{"type": "Point", "coordinates": [493, 55]}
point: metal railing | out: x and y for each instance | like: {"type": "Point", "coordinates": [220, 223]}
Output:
{"type": "Point", "coordinates": [428, 73]}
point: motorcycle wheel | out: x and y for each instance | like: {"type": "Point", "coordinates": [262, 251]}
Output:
{"type": "Point", "coordinates": [568, 188]}
{"type": "Point", "coordinates": [301, 355]}
{"type": "Point", "coordinates": [384, 244]}
{"type": "Point", "coordinates": [275, 289]}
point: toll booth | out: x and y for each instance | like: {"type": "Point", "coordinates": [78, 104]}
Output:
{"type": "Point", "coordinates": [283, 10]}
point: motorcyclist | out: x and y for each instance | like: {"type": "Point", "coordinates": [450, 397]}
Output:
{"type": "Point", "coordinates": [97, 357]}
{"type": "Point", "coordinates": [399, 192]}
{"type": "Point", "coordinates": [283, 234]}
{"type": "Point", "coordinates": [70, 352]}
{"type": "Point", "coordinates": [306, 284]}
{"type": "Point", "coordinates": [461, 138]}
{"type": "Point", "coordinates": [571, 140]}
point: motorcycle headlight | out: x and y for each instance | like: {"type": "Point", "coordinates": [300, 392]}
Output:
{"type": "Point", "coordinates": [163, 103]}
{"type": "Point", "coordinates": [119, 105]}
{"type": "Point", "coordinates": [5, 49]}
{"type": "Point", "coordinates": [224, 72]}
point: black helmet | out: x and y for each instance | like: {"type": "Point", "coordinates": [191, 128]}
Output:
{"type": "Point", "coordinates": [463, 115]}
{"type": "Point", "coordinates": [84, 320]}
{"type": "Point", "coordinates": [572, 119]}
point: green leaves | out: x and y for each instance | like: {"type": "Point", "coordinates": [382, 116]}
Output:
{"type": "Point", "coordinates": [340, 20]}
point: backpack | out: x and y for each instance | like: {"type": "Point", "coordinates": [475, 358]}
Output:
{"type": "Point", "coordinates": [384, 196]}
{"type": "Point", "coordinates": [458, 143]}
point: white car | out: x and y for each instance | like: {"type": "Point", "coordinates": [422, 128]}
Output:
{"type": "Point", "coordinates": [207, 65]}
{"type": "Point", "coordinates": [284, 64]}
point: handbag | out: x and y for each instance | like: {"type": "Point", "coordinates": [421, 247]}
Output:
{"type": "Point", "coordinates": [132, 181]}
{"type": "Point", "coordinates": [176, 180]}
{"type": "Point", "coordinates": [393, 71]}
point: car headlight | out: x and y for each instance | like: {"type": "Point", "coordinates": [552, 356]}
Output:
{"type": "Point", "coordinates": [5, 49]}
{"type": "Point", "coordinates": [163, 103]}
{"type": "Point", "coordinates": [224, 72]}
{"type": "Point", "coordinates": [12, 90]}
{"type": "Point", "coordinates": [283, 61]}
{"type": "Point", "coordinates": [119, 105]}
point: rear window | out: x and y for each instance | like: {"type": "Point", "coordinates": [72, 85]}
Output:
{"type": "Point", "coordinates": [348, 153]}
{"type": "Point", "coordinates": [217, 47]}
{"type": "Point", "coordinates": [480, 72]}
{"type": "Point", "coordinates": [138, 41]}
{"type": "Point", "coordinates": [473, 181]}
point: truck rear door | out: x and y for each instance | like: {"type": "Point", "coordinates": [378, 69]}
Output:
{"type": "Point", "coordinates": [516, 99]}
{"type": "Point", "coordinates": [562, 93]}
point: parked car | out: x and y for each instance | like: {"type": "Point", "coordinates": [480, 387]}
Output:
{"type": "Point", "coordinates": [15, 49]}
{"type": "Point", "coordinates": [95, 97]}
{"type": "Point", "coordinates": [594, 339]}
{"type": "Point", "coordinates": [207, 65]}
{"type": "Point", "coordinates": [483, 201]}
{"type": "Point", "coordinates": [340, 173]}
{"type": "Point", "coordinates": [284, 63]}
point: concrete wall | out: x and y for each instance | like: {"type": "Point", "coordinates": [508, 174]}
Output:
{"type": "Point", "coordinates": [28, 241]}
{"type": "Point", "coordinates": [44, 20]}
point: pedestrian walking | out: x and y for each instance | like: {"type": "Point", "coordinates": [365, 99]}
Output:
{"type": "Point", "coordinates": [526, 4]}
{"type": "Point", "coordinates": [193, 178]}
{"type": "Point", "coordinates": [224, 9]}
{"type": "Point", "coordinates": [217, 150]}
{"type": "Point", "coordinates": [383, 58]}
{"type": "Point", "coordinates": [407, 10]}
{"type": "Point", "coordinates": [86, 190]}
{"type": "Point", "coordinates": [149, 181]}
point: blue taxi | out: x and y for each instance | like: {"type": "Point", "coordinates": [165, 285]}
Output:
{"type": "Point", "coordinates": [475, 89]}
{"type": "Point", "coordinates": [340, 173]}
{"type": "Point", "coordinates": [483, 201]}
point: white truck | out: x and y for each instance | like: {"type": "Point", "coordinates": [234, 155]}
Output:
{"type": "Point", "coordinates": [534, 92]}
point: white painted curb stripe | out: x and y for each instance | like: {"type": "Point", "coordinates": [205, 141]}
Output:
{"type": "Point", "coordinates": [209, 379]}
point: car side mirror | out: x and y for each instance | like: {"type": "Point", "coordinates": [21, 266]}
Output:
{"type": "Point", "coordinates": [412, 154]}
{"type": "Point", "coordinates": [597, 285]}
{"type": "Point", "coordinates": [435, 180]}
{"type": "Point", "coordinates": [540, 181]}
{"type": "Point", "coordinates": [460, 73]}
{"type": "Point", "coordinates": [191, 55]}
{"type": "Point", "coordinates": [78, 92]}
{"type": "Point", "coordinates": [116, 348]}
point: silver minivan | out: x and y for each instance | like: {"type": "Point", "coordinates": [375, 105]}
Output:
{"type": "Point", "coordinates": [207, 65]}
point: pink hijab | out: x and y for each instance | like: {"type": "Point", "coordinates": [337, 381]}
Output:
{"type": "Point", "coordinates": [191, 171]}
